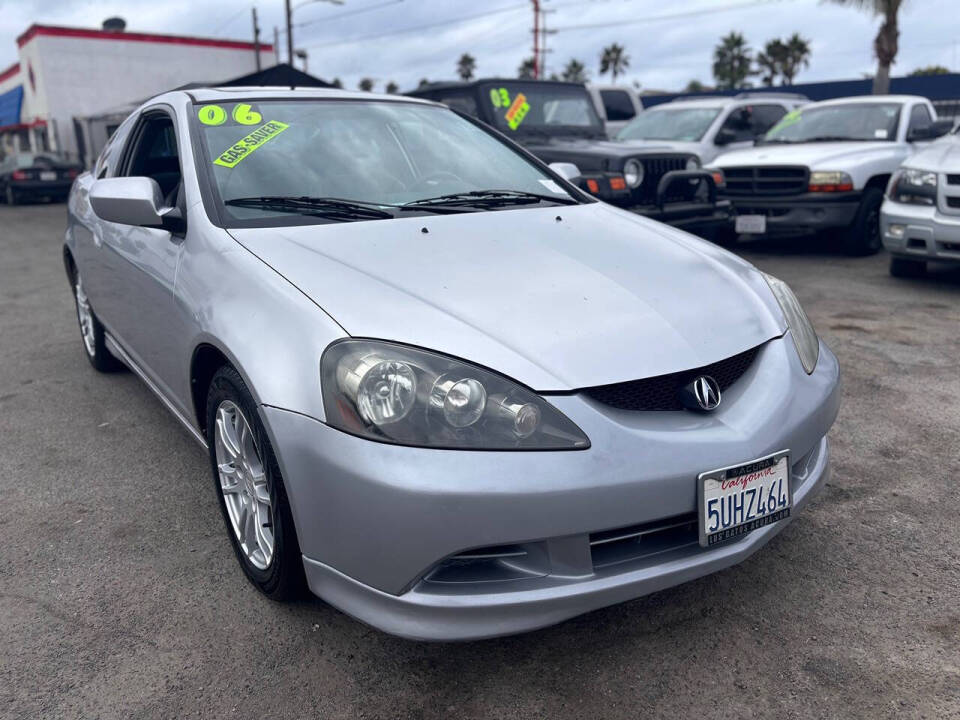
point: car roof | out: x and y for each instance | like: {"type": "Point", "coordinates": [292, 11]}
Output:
{"type": "Point", "coordinates": [231, 94]}
{"type": "Point", "coordinates": [866, 99]}
{"type": "Point", "coordinates": [457, 84]}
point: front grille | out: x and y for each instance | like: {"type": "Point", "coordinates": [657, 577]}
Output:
{"type": "Point", "coordinates": [766, 180]}
{"type": "Point", "coordinates": [612, 547]}
{"type": "Point", "coordinates": [953, 179]}
{"type": "Point", "coordinates": [653, 170]}
{"type": "Point", "coordinates": [661, 392]}
{"type": "Point", "coordinates": [953, 202]}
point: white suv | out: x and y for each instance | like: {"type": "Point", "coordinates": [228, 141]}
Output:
{"type": "Point", "coordinates": [921, 215]}
{"type": "Point", "coordinates": [708, 126]}
{"type": "Point", "coordinates": [825, 166]}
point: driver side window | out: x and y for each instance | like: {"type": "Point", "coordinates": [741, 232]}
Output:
{"type": "Point", "coordinates": [739, 125]}
{"type": "Point", "coordinates": [154, 154]}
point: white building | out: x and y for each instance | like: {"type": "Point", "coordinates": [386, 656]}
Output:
{"type": "Point", "coordinates": [65, 73]}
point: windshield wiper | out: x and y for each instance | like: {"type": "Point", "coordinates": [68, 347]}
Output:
{"type": "Point", "coordinates": [487, 198]}
{"type": "Point", "coordinates": [332, 208]}
{"type": "Point", "coordinates": [832, 138]}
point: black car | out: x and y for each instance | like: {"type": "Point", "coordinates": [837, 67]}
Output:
{"type": "Point", "coordinates": [558, 123]}
{"type": "Point", "coordinates": [36, 175]}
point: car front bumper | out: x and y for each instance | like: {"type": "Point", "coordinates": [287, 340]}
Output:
{"type": "Point", "coordinates": [928, 234]}
{"type": "Point", "coordinates": [375, 521]}
{"type": "Point", "coordinates": [41, 188]}
{"type": "Point", "coordinates": [801, 214]}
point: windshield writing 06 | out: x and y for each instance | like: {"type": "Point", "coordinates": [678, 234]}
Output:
{"type": "Point", "coordinates": [853, 121]}
{"type": "Point", "coordinates": [313, 158]}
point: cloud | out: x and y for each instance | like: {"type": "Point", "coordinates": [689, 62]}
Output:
{"type": "Point", "coordinates": [664, 54]}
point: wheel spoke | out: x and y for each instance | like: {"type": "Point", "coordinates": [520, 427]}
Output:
{"type": "Point", "coordinates": [228, 435]}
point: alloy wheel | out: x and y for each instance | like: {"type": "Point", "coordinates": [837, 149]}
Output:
{"type": "Point", "coordinates": [243, 484]}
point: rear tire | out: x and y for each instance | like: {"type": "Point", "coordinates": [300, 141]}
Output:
{"type": "Point", "coordinates": [11, 196]}
{"type": "Point", "coordinates": [907, 268]}
{"type": "Point", "coordinates": [91, 332]}
{"type": "Point", "coordinates": [863, 236]}
{"type": "Point", "coordinates": [249, 487]}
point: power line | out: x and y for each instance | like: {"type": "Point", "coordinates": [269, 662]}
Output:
{"type": "Point", "coordinates": [672, 16]}
{"type": "Point", "coordinates": [455, 21]}
{"type": "Point", "coordinates": [229, 20]}
{"type": "Point", "coordinates": [358, 11]}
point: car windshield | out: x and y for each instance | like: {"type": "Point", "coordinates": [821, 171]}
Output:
{"type": "Point", "coordinates": [275, 158]}
{"type": "Point", "coordinates": [680, 124]}
{"type": "Point", "coordinates": [48, 159]}
{"type": "Point", "coordinates": [850, 121]}
{"type": "Point", "coordinates": [544, 107]}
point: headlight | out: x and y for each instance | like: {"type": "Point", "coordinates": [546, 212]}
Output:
{"type": "Point", "coordinates": [914, 187]}
{"type": "Point", "coordinates": [633, 173]}
{"type": "Point", "coordinates": [398, 394]}
{"type": "Point", "coordinates": [693, 164]}
{"type": "Point", "coordinates": [830, 181]}
{"type": "Point", "coordinates": [804, 336]}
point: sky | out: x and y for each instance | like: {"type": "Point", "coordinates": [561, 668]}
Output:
{"type": "Point", "coordinates": [668, 43]}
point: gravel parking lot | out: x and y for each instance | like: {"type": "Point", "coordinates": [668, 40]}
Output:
{"type": "Point", "coordinates": [120, 595]}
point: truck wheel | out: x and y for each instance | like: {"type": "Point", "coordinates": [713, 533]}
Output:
{"type": "Point", "coordinates": [907, 268]}
{"type": "Point", "coordinates": [11, 196]}
{"type": "Point", "coordinates": [863, 236]}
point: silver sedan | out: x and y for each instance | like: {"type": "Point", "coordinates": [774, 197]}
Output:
{"type": "Point", "coordinates": [439, 385]}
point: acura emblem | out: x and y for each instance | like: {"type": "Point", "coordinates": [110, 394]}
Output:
{"type": "Point", "coordinates": [702, 394]}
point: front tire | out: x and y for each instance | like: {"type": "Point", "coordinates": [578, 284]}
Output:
{"type": "Point", "coordinates": [863, 236]}
{"type": "Point", "coordinates": [250, 489]}
{"type": "Point", "coordinates": [907, 268]}
{"type": "Point", "coordinates": [11, 196]}
{"type": "Point", "coordinates": [91, 331]}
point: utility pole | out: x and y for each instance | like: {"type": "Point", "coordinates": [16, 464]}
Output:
{"type": "Point", "coordinates": [276, 45]}
{"type": "Point", "coordinates": [256, 37]}
{"type": "Point", "coordinates": [289, 33]}
{"type": "Point", "coordinates": [536, 39]}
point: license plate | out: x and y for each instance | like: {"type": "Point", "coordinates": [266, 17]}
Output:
{"type": "Point", "coordinates": [751, 224]}
{"type": "Point", "coordinates": [48, 176]}
{"type": "Point", "coordinates": [736, 500]}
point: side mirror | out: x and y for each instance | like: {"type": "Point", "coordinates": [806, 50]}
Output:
{"type": "Point", "coordinates": [568, 171]}
{"type": "Point", "coordinates": [133, 201]}
{"type": "Point", "coordinates": [937, 128]}
{"type": "Point", "coordinates": [725, 136]}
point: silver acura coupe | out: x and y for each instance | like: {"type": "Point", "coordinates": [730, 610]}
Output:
{"type": "Point", "coordinates": [439, 385]}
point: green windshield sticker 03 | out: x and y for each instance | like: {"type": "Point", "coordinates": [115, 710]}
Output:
{"type": "Point", "coordinates": [500, 97]}
{"type": "Point", "coordinates": [230, 157]}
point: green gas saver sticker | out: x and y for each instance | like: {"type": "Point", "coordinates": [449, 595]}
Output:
{"type": "Point", "coordinates": [230, 157]}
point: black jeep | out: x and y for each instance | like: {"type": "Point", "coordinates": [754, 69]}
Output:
{"type": "Point", "coordinates": [558, 123]}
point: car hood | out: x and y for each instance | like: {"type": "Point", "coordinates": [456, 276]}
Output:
{"type": "Point", "coordinates": [942, 156]}
{"type": "Point", "coordinates": [557, 298]}
{"type": "Point", "coordinates": [681, 146]}
{"type": "Point", "coordinates": [570, 148]}
{"type": "Point", "coordinates": [813, 155]}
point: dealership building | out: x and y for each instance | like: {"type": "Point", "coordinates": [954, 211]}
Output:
{"type": "Point", "coordinates": [64, 74]}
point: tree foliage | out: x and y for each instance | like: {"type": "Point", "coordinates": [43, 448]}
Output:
{"type": "Point", "coordinates": [392, 88]}
{"type": "Point", "coordinates": [525, 71]}
{"type": "Point", "coordinates": [781, 60]}
{"type": "Point", "coordinates": [366, 84]}
{"type": "Point", "coordinates": [732, 61]}
{"type": "Point", "coordinates": [887, 42]}
{"type": "Point", "coordinates": [930, 70]}
{"type": "Point", "coordinates": [465, 66]}
{"type": "Point", "coordinates": [575, 71]}
{"type": "Point", "coordinates": [614, 60]}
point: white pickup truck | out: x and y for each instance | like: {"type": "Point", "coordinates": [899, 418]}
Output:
{"type": "Point", "coordinates": [825, 166]}
{"type": "Point", "coordinates": [921, 215]}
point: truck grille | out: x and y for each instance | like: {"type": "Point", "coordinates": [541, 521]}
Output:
{"type": "Point", "coordinates": [767, 180]}
{"type": "Point", "coordinates": [637, 542]}
{"type": "Point", "coordinates": [661, 392]}
{"type": "Point", "coordinates": [653, 170]}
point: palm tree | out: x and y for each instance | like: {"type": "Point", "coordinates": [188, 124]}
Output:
{"type": "Point", "coordinates": [423, 82]}
{"type": "Point", "coordinates": [770, 61]}
{"type": "Point", "coordinates": [797, 55]}
{"type": "Point", "coordinates": [337, 83]}
{"type": "Point", "coordinates": [885, 45]}
{"type": "Point", "coordinates": [392, 88]}
{"type": "Point", "coordinates": [575, 71]}
{"type": "Point", "coordinates": [930, 70]}
{"type": "Point", "coordinates": [614, 60]}
{"type": "Point", "coordinates": [366, 84]}
{"type": "Point", "coordinates": [731, 61]}
{"type": "Point", "coordinates": [525, 71]}
{"type": "Point", "coordinates": [465, 66]}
